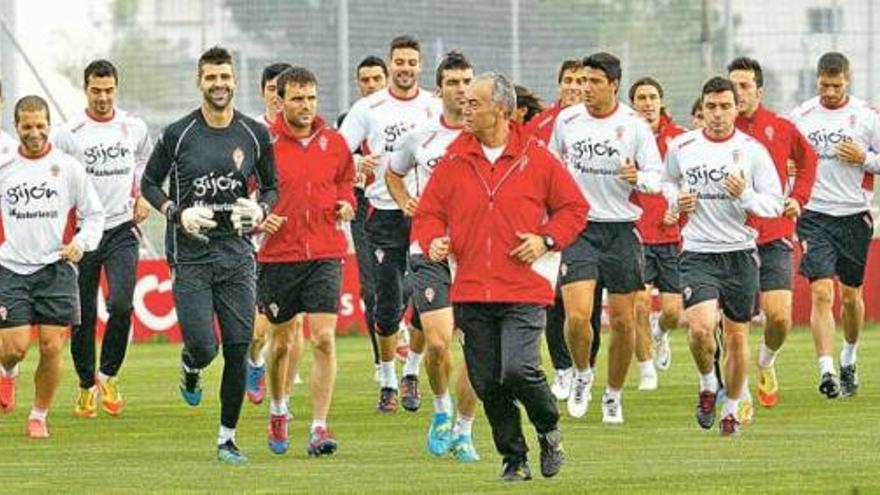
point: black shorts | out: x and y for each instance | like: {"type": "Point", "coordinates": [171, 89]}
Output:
{"type": "Point", "coordinates": [777, 265]}
{"type": "Point", "coordinates": [287, 289]}
{"type": "Point", "coordinates": [661, 267]}
{"type": "Point", "coordinates": [611, 251]}
{"type": "Point", "coordinates": [49, 296]}
{"type": "Point", "coordinates": [429, 282]}
{"type": "Point", "coordinates": [730, 277]}
{"type": "Point", "coordinates": [835, 246]}
{"type": "Point", "coordinates": [387, 229]}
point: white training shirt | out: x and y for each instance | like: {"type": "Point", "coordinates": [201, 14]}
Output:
{"type": "Point", "coordinates": [36, 196]}
{"type": "Point", "coordinates": [699, 164]}
{"type": "Point", "coordinates": [838, 188]}
{"type": "Point", "coordinates": [594, 148]}
{"type": "Point", "coordinates": [379, 121]}
{"type": "Point", "coordinates": [114, 153]}
{"type": "Point", "coordinates": [418, 153]}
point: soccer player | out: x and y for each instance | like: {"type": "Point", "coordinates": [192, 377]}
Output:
{"type": "Point", "coordinates": [658, 227]}
{"type": "Point", "coordinates": [570, 79]}
{"type": "Point", "coordinates": [601, 141]}
{"type": "Point", "coordinates": [775, 236]}
{"type": "Point", "coordinates": [38, 287]}
{"type": "Point", "coordinates": [372, 76]}
{"type": "Point", "coordinates": [835, 228]}
{"type": "Point", "coordinates": [377, 123]}
{"type": "Point", "coordinates": [418, 153]}
{"type": "Point", "coordinates": [301, 259]}
{"type": "Point", "coordinates": [256, 363]}
{"type": "Point", "coordinates": [528, 105]}
{"type": "Point", "coordinates": [208, 157]}
{"type": "Point", "coordinates": [717, 176]}
{"type": "Point", "coordinates": [497, 202]}
{"type": "Point", "coordinates": [114, 146]}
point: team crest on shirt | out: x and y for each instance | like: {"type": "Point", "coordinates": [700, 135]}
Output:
{"type": "Point", "coordinates": [322, 143]}
{"type": "Point", "coordinates": [737, 154]}
{"type": "Point", "coordinates": [769, 132]}
{"type": "Point", "coordinates": [273, 308]}
{"type": "Point", "coordinates": [238, 157]}
{"type": "Point", "coordinates": [3, 313]}
{"type": "Point", "coordinates": [429, 294]}
{"type": "Point", "coordinates": [380, 255]}
{"type": "Point", "coordinates": [55, 170]}
{"type": "Point", "coordinates": [687, 293]}
{"type": "Point", "coordinates": [619, 131]}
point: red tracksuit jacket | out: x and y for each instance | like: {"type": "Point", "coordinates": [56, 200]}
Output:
{"type": "Point", "coordinates": [783, 141]}
{"type": "Point", "coordinates": [483, 207]}
{"type": "Point", "coordinates": [312, 176]}
{"type": "Point", "coordinates": [541, 125]}
{"type": "Point", "coordinates": [654, 206]}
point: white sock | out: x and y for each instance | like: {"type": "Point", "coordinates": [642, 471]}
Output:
{"type": "Point", "coordinates": [646, 368]}
{"type": "Point", "coordinates": [225, 435]}
{"type": "Point", "coordinates": [102, 377]}
{"type": "Point", "coordinates": [766, 356]}
{"type": "Point", "coordinates": [38, 413]}
{"type": "Point", "coordinates": [9, 372]}
{"type": "Point", "coordinates": [826, 365]}
{"type": "Point", "coordinates": [848, 354]}
{"type": "Point", "coordinates": [259, 363]}
{"type": "Point", "coordinates": [443, 404]}
{"type": "Point", "coordinates": [708, 382]}
{"type": "Point", "coordinates": [261, 356]}
{"type": "Point", "coordinates": [278, 407]}
{"type": "Point", "coordinates": [463, 425]}
{"type": "Point", "coordinates": [188, 369]}
{"type": "Point", "coordinates": [730, 406]}
{"type": "Point", "coordinates": [413, 361]}
{"type": "Point", "coordinates": [319, 423]}
{"type": "Point", "coordinates": [613, 393]}
{"type": "Point", "coordinates": [388, 374]}
{"type": "Point", "coordinates": [584, 375]}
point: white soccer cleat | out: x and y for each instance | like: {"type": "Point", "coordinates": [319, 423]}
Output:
{"type": "Point", "coordinates": [648, 381]}
{"type": "Point", "coordinates": [612, 411]}
{"type": "Point", "coordinates": [579, 398]}
{"type": "Point", "coordinates": [562, 383]}
{"type": "Point", "coordinates": [660, 341]}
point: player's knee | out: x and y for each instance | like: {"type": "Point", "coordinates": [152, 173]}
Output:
{"type": "Point", "coordinates": [119, 306]}
{"type": "Point", "coordinates": [324, 342]}
{"type": "Point", "coordinates": [13, 351]}
{"type": "Point", "coordinates": [386, 327]}
{"type": "Point", "coordinates": [822, 294]}
{"type": "Point", "coordinates": [669, 318]}
{"type": "Point", "coordinates": [701, 334]}
{"type": "Point", "coordinates": [850, 298]}
{"type": "Point", "coordinates": [436, 344]}
{"type": "Point", "coordinates": [777, 319]}
{"type": "Point", "coordinates": [202, 355]}
{"type": "Point", "coordinates": [51, 347]}
{"type": "Point", "coordinates": [577, 318]}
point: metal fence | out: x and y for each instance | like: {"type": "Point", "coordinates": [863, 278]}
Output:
{"type": "Point", "coordinates": [679, 42]}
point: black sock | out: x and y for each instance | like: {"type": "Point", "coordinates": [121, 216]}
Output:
{"type": "Point", "coordinates": [233, 384]}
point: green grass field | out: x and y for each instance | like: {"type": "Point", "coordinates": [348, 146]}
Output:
{"type": "Point", "coordinates": [806, 444]}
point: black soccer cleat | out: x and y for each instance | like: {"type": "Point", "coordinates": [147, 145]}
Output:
{"type": "Point", "coordinates": [516, 470]}
{"type": "Point", "coordinates": [706, 409]}
{"type": "Point", "coordinates": [849, 381]}
{"type": "Point", "coordinates": [410, 397]}
{"type": "Point", "coordinates": [828, 385]}
{"type": "Point", "coordinates": [552, 453]}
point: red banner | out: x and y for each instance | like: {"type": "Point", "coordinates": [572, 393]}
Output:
{"type": "Point", "coordinates": [155, 316]}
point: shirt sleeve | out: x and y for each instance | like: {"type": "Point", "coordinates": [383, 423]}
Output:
{"type": "Point", "coordinates": [670, 184]}
{"type": "Point", "coordinates": [403, 159]}
{"type": "Point", "coordinates": [872, 154]}
{"type": "Point", "coordinates": [806, 161]}
{"type": "Point", "coordinates": [431, 220]}
{"type": "Point", "coordinates": [89, 212]}
{"type": "Point", "coordinates": [763, 194]}
{"type": "Point", "coordinates": [647, 156]}
{"type": "Point", "coordinates": [141, 157]}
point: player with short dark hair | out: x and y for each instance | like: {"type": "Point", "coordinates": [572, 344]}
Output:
{"type": "Point", "coordinates": [208, 158]}
{"type": "Point", "coordinates": [114, 146]}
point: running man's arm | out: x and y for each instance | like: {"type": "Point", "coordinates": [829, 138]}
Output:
{"type": "Point", "coordinates": [872, 154]}
{"type": "Point", "coordinates": [647, 156]}
{"type": "Point", "coordinates": [90, 213]}
{"type": "Point", "coordinates": [566, 204]}
{"type": "Point", "coordinates": [431, 219]}
{"type": "Point", "coordinates": [806, 161]}
{"type": "Point", "coordinates": [763, 193]}
{"type": "Point", "coordinates": [400, 163]}
{"type": "Point", "coordinates": [141, 157]}
{"type": "Point", "coordinates": [156, 171]}
{"type": "Point", "coordinates": [267, 178]}
{"type": "Point", "coordinates": [354, 127]}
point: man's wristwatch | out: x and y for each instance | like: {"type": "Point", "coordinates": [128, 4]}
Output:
{"type": "Point", "coordinates": [549, 242]}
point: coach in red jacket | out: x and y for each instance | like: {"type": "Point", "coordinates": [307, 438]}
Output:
{"type": "Point", "coordinates": [496, 204]}
{"type": "Point", "coordinates": [301, 261]}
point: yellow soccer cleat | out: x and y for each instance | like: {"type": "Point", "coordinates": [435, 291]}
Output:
{"type": "Point", "coordinates": [86, 403]}
{"type": "Point", "coordinates": [745, 410]}
{"type": "Point", "coordinates": [768, 387]}
{"type": "Point", "coordinates": [111, 398]}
